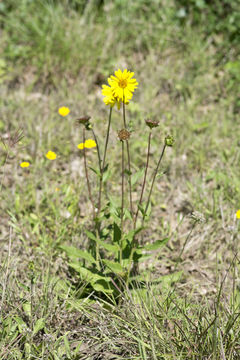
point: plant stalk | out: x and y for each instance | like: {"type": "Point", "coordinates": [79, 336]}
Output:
{"type": "Point", "coordinates": [87, 176]}
{"type": "Point", "coordinates": [103, 162]}
{"type": "Point", "coordinates": [145, 177]}
{"type": "Point", "coordinates": [129, 162]}
{"type": "Point", "coordinates": [122, 206]}
{"type": "Point", "coordinates": [153, 181]}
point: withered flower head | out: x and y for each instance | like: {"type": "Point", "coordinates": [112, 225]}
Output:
{"type": "Point", "coordinates": [151, 123]}
{"type": "Point", "coordinates": [123, 134]}
{"type": "Point", "coordinates": [84, 120]}
{"type": "Point", "coordinates": [198, 217]}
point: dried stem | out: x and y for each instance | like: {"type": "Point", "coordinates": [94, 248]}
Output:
{"type": "Point", "coordinates": [145, 177]}
{"type": "Point", "coordinates": [129, 162]}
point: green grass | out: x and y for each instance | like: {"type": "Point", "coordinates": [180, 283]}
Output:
{"type": "Point", "coordinates": [58, 53]}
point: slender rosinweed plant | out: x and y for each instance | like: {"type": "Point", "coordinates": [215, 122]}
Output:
{"type": "Point", "coordinates": [116, 251]}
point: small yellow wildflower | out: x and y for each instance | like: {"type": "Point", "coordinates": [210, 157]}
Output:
{"type": "Point", "coordinates": [123, 85]}
{"type": "Point", "coordinates": [63, 111]}
{"type": "Point", "coordinates": [90, 144]}
{"type": "Point", "coordinates": [238, 214]}
{"type": "Point", "coordinates": [50, 155]}
{"type": "Point", "coordinates": [81, 146]}
{"type": "Point", "coordinates": [57, 189]}
{"type": "Point", "coordinates": [24, 164]}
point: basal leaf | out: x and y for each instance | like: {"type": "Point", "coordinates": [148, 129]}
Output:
{"type": "Point", "coordinates": [114, 267]}
{"type": "Point", "coordinates": [88, 274]}
{"type": "Point", "coordinates": [102, 286]}
{"type": "Point", "coordinates": [75, 253]}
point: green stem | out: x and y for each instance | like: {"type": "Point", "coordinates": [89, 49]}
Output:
{"type": "Point", "coordinates": [87, 176]}
{"type": "Point", "coordinates": [122, 206]}
{"type": "Point", "coordinates": [98, 150]}
{"type": "Point", "coordinates": [103, 163]}
{"type": "Point", "coordinates": [97, 222]}
{"type": "Point", "coordinates": [129, 161]}
{"type": "Point", "coordinates": [145, 177]}
{"type": "Point", "coordinates": [153, 181]}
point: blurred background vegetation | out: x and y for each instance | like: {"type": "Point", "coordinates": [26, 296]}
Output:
{"type": "Point", "coordinates": [59, 38]}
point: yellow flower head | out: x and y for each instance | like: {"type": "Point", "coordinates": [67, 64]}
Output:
{"type": "Point", "coordinates": [109, 99]}
{"type": "Point", "coordinates": [63, 111]}
{"type": "Point", "coordinates": [90, 144]}
{"type": "Point", "coordinates": [81, 146]}
{"type": "Point", "coordinates": [123, 85]}
{"type": "Point", "coordinates": [24, 164]}
{"type": "Point", "coordinates": [238, 214]}
{"type": "Point", "coordinates": [50, 155]}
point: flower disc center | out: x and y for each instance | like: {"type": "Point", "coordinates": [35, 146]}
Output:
{"type": "Point", "coordinates": [123, 83]}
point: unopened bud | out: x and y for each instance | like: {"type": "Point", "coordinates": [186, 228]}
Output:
{"type": "Point", "coordinates": [169, 140]}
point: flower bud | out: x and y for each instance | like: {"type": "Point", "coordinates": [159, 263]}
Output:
{"type": "Point", "coordinates": [169, 140]}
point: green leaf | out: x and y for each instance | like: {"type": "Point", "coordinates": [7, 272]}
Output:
{"type": "Point", "coordinates": [88, 274]}
{"type": "Point", "coordinates": [112, 248]}
{"type": "Point", "coordinates": [96, 171]}
{"type": "Point", "coordinates": [156, 245]}
{"type": "Point", "coordinates": [132, 233]}
{"type": "Point", "coordinates": [91, 235]}
{"type": "Point", "coordinates": [40, 323]}
{"type": "Point", "coordinates": [102, 286]}
{"type": "Point", "coordinates": [75, 253]}
{"type": "Point", "coordinates": [20, 323]}
{"type": "Point", "coordinates": [27, 308]}
{"type": "Point", "coordinates": [106, 175]}
{"type": "Point", "coordinates": [67, 345]}
{"type": "Point", "coordinates": [116, 233]}
{"type": "Point", "coordinates": [137, 176]}
{"type": "Point", "coordinates": [114, 267]}
{"type": "Point", "coordinates": [169, 279]}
